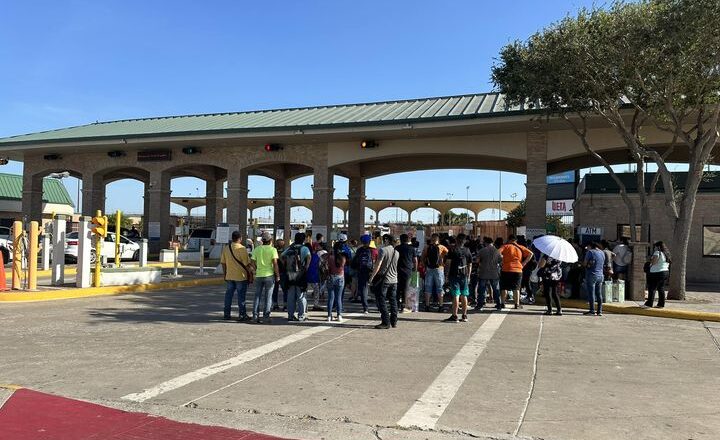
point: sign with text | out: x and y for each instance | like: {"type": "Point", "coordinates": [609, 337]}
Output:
{"type": "Point", "coordinates": [566, 177]}
{"type": "Point", "coordinates": [154, 155]}
{"type": "Point", "coordinates": [590, 230]}
{"type": "Point", "coordinates": [559, 207]}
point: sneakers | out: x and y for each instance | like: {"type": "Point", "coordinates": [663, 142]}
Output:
{"type": "Point", "coordinates": [590, 312]}
{"type": "Point", "coordinates": [339, 318]}
{"type": "Point", "coordinates": [366, 312]}
{"type": "Point", "coordinates": [464, 318]}
{"type": "Point", "coordinates": [329, 319]}
{"type": "Point", "coordinates": [244, 318]}
{"type": "Point", "coordinates": [382, 326]}
{"type": "Point", "coordinates": [558, 313]}
{"type": "Point", "coordinates": [452, 318]}
{"type": "Point", "coordinates": [301, 319]}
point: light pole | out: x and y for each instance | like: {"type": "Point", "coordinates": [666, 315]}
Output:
{"type": "Point", "coordinates": [500, 196]}
{"type": "Point", "coordinates": [449, 196]}
{"type": "Point", "coordinates": [467, 204]}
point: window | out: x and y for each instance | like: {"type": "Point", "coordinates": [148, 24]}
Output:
{"type": "Point", "coordinates": [624, 231]}
{"type": "Point", "coordinates": [711, 241]}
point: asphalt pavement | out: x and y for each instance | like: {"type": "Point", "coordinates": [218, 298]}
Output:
{"type": "Point", "coordinates": [510, 374]}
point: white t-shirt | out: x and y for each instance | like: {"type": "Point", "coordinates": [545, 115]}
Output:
{"type": "Point", "coordinates": [623, 255]}
{"type": "Point", "coordinates": [662, 264]}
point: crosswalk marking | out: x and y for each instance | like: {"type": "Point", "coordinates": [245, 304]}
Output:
{"type": "Point", "coordinates": [427, 410]}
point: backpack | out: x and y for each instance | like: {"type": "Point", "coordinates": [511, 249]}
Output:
{"type": "Point", "coordinates": [462, 264]}
{"type": "Point", "coordinates": [362, 260]}
{"type": "Point", "coordinates": [294, 268]}
{"type": "Point", "coordinates": [433, 256]}
{"type": "Point", "coordinates": [323, 268]}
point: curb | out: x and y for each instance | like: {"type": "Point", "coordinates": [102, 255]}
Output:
{"type": "Point", "coordinates": [73, 271]}
{"type": "Point", "coordinates": [635, 310]}
{"type": "Point", "coordinates": [23, 297]}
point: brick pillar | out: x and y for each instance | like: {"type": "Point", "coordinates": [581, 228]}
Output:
{"type": "Point", "coordinates": [237, 199]}
{"type": "Point", "coordinates": [636, 282]}
{"type": "Point", "coordinates": [32, 192]}
{"type": "Point", "coordinates": [93, 195]}
{"type": "Point", "coordinates": [356, 207]}
{"type": "Point", "coordinates": [322, 200]}
{"type": "Point", "coordinates": [282, 207]}
{"type": "Point", "coordinates": [213, 208]}
{"type": "Point", "coordinates": [536, 186]}
{"type": "Point", "coordinates": [146, 210]}
{"type": "Point", "coordinates": [158, 217]}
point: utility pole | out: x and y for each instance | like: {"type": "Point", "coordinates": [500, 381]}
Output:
{"type": "Point", "coordinates": [500, 197]}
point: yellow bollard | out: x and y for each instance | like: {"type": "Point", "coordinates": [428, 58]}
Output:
{"type": "Point", "coordinates": [117, 238]}
{"type": "Point", "coordinates": [32, 256]}
{"type": "Point", "coordinates": [17, 253]}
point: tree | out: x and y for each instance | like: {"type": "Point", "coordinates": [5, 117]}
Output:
{"type": "Point", "coordinates": [653, 63]}
{"type": "Point", "coordinates": [452, 218]}
{"type": "Point", "coordinates": [554, 223]}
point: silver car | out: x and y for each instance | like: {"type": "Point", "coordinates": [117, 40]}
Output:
{"type": "Point", "coordinates": [129, 250]}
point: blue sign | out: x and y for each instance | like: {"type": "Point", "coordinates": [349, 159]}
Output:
{"type": "Point", "coordinates": [565, 177]}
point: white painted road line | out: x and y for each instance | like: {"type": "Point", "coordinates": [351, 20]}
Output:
{"type": "Point", "coordinates": [268, 368]}
{"type": "Point", "coordinates": [219, 367]}
{"type": "Point", "coordinates": [426, 411]}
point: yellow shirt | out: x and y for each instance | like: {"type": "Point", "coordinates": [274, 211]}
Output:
{"type": "Point", "coordinates": [234, 271]}
{"type": "Point", "coordinates": [263, 257]}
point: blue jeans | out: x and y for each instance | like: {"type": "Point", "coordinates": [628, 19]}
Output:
{"type": "Point", "coordinates": [263, 289]}
{"type": "Point", "coordinates": [335, 287]}
{"type": "Point", "coordinates": [362, 288]}
{"type": "Point", "coordinates": [434, 280]}
{"type": "Point", "coordinates": [593, 284]}
{"type": "Point", "coordinates": [494, 286]}
{"type": "Point", "coordinates": [296, 301]}
{"type": "Point", "coordinates": [241, 288]}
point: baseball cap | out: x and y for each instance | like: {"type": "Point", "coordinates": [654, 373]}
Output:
{"type": "Point", "coordinates": [266, 236]}
{"type": "Point", "coordinates": [342, 237]}
{"type": "Point", "coordinates": [365, 239]}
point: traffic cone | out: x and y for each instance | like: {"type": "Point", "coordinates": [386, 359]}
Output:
{"type": "Point", "coordinates": [3, 283]}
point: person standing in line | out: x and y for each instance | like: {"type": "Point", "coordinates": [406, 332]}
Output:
{"type": "Point", "coordinates": [658, 274]}
{"type": "Point", "coordinates": [407, 263]}
{"type": "Point", "coordinates": [460, 262]}
{"type": "Point", "coordinates": [336, 281]}
{"type": "Point", "coordinates": [280, 246]}
{"type": "Point", "coordinates": [622, 259]}
{"type": "Point", "coordinates": [594, 263]}
{"type": "Point", "coordinates": [319, 242]}
{"type": "Point", "coordinates": [237, 272]}
{"type": "Point", "coordinates": [351, 270]}
{"type": "Point", "coordinates": [296, 261]}
{"type": "Point", "coordinates": [433, 258]}
{"type": "Point", "coordinates": [609, 256]}
{"type": "Point", "coordinates": [384, 283]}
{"type": "Point", "coordinates": [267, 274]}
{"type": "Point", "coordinates": [488, 261]}
{"type": "Point", "coordinates": [363, 265]}
{"type": "Point", "coordinates": [550, 273]}
{"type": "Point", "coordinates": [316, 278]}
{"type": "Point", "coordinates": [514, 258]}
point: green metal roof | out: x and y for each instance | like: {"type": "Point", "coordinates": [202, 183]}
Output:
{"type": "Point", "coordinates": [53, 189]}
{"type": "Point", "coordinates": [377, 113]}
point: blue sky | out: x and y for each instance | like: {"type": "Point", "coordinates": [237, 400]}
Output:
{"type": "Point", "coordinates": [74, 62]}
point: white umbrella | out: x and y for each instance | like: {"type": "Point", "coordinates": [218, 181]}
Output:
{"type": "Point", "coordinates": [556, 247]}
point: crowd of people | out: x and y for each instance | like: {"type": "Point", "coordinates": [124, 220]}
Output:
{"type": "Point", "coordinates": [396, 274]}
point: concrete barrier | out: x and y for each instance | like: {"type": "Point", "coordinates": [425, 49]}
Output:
{"type": "Point", "coordinates": [126, 276]}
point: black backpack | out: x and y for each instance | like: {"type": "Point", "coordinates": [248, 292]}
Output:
{"type": "Point", "coordinates": [433, 257]}
{"type": "Point", "coordinates": [294, 268]}
{"type": "Point", "coordinates": [362, 260]}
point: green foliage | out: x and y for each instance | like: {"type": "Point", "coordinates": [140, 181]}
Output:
{"type": "Point", "coordinates": [516, 217]}
{"type": "Point", "coordinates": [125, 222]}
{"type": "Point", "coordinates": [453, 218]}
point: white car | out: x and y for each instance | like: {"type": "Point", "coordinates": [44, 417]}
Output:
{"type": "Point", "coordinates": [129, 250]}
{"type": "Point", "coordinates": [202, 236]}
{"type": "Point", "coordinates": [5, 233]}
{"type": "Point", "coordinates": [5, 250]}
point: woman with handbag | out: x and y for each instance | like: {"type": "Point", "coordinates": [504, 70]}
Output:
{"type": "Point", "coordinates": [657, 274]}
{"type": "Point", "coordinates": [550, 273]}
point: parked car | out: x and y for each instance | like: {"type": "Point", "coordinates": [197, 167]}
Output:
{"type": "Point", "coordinates": [5, 250]}
{"type": "Point", "coordinates": [202, 237]}
{"type": "Point", "coordinates": [5, 233]}
{"type": "Point", "coordinates": [129, 250]}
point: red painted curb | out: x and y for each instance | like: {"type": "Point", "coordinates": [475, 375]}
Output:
{"type": "Point", "coordinates": [31, 415]}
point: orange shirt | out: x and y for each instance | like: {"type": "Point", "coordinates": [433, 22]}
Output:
{"type": "Point", "coordinates": [512, 256]}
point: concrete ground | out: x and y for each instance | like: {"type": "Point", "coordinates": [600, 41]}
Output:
{"type": "Point", "coordinates": [514, 374]}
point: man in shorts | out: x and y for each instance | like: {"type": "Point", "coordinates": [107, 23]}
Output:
{"type": "Point", "coordinates": [459, 268]}
{"type": "Point", "coordinates": [514, 258]}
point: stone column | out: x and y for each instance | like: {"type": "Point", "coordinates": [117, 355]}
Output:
{"type": "Point", "coordinates": [356, 207]}
{"type": "Point", "coordinates": [58, 241]}
{"type": "Point", "coordinates": [158, 217]}
{"type": "Point", "coordinates": [636, 282]}
{"type": "Point", "coordinates": [146, 210]}
{"type": "Point", "coordinates": [237, 199]}
{"type": "Point", "coordinates": [213, 208]}
{"type": "Point", "coordinates": [32, 193]}
{"type": "Point", "coordinates": [93, 195]}
{"type": "Point", "coordinates": [536, 186]}
{"type": "Point", "coordinates": [282, 207]}
{"type": "Point", "coordinates": [322, 200]}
